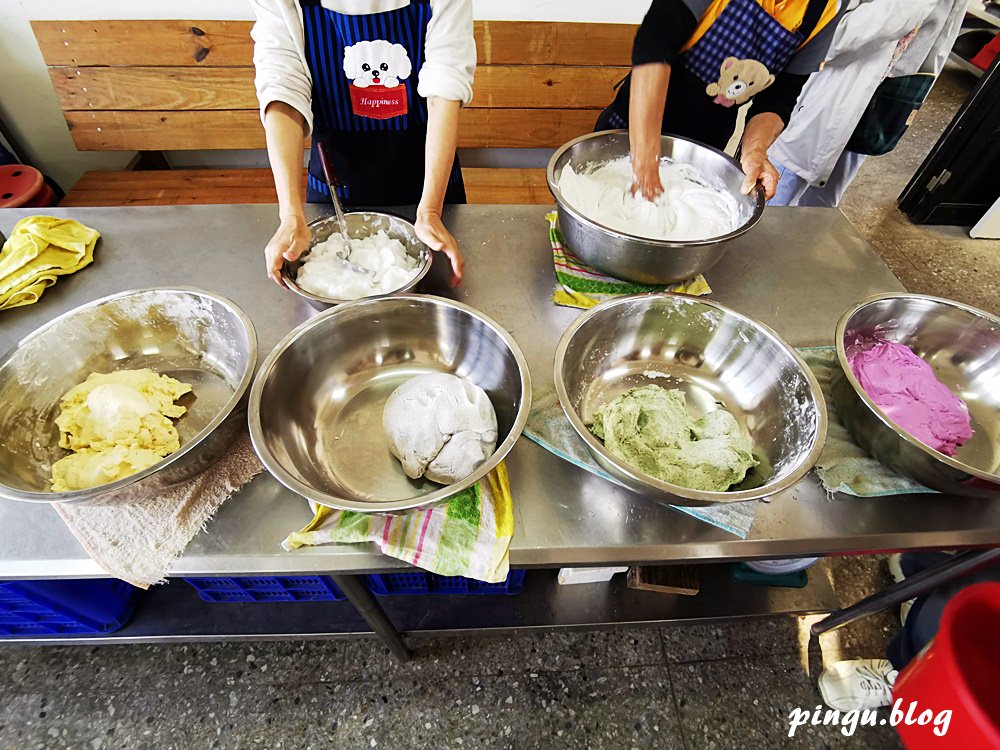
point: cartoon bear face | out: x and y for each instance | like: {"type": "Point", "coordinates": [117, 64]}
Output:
{"type": "Point", "coordinates": [377, 63]}
{"type": "Point", "coordinates": [739, 80]}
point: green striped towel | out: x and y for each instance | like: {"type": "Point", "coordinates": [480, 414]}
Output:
{"type": "Point", "coordinates": [582, 286]}
{"type": "Point", "coordinates": [467, 535]}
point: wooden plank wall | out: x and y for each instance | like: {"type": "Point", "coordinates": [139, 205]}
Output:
{"type": "Point", "coordinates": [174, 85]}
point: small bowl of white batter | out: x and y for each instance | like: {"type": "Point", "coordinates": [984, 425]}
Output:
{"type": "Point", "coordinates": [384, 256]}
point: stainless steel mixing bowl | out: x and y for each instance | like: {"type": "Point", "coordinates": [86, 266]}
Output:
{"type": "Point", "coordinates": [717, 357]}
{"type": "Point", "coordinates": [639, 259]}
{"type": "Point", "coordinates": [962, 345]}
{"type": "Point", "coordinates": [360, 224]}
{"type": "Point", "coordinates": [316, 404]}
{"type": "Point", "coordinates": [190, 334]}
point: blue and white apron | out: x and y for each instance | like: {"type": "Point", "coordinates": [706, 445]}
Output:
{"type": "Point", "coordinates": [365, 104]}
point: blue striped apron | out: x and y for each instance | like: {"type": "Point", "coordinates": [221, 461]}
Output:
{"type": "Point", "coordinates": [365, 104]}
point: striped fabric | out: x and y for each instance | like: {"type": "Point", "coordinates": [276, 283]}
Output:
{"type": "Point", "coordinates": [468, 535]}
{"type": "Point", "coordinates": [582, 286]}
{"type": "Point", "coordinates": [746, 31]}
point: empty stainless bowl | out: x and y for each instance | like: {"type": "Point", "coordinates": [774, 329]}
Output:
{"type": "Point", "coordinates": [360, 224]}
{"type": "Point", "coordinates": [640, 259]}
{"type": "Point", "coordinates": [316, 404]}
{"type": "Point", "coordinates": [717, 357]}
{"type": "Point", "coordinates": [962, 345]}
{"type": "Point", "coordinates": [193, 335]}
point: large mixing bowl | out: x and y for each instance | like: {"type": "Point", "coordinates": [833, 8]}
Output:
{"type": "Point", "coordinates": [716, 357]}
{"type": "Point", "coordinates": [640, 259]}
{"type": "Point", "coordinates": [962, 346]}
{"type": "Point", "coordinates": [195, 336]}
{"type": "Point", "coordinates": [316, 404]}
{"type": "Point", "coordinates": [360, 224]}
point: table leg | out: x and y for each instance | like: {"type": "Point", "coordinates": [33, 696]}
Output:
{"type": "Point", "coordinates": [913, 586]}
{"type": "Point", "coordinates": [359, 595]}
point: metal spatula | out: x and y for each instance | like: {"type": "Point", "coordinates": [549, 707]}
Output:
{"type": "Point", "coordinates": [331, 181]}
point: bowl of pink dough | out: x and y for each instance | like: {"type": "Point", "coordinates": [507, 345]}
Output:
{"type": "Point", "coordinates": [920, 389]}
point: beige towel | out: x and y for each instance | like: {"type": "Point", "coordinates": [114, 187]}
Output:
{"type": "Point", "coordinates": [136, 535]}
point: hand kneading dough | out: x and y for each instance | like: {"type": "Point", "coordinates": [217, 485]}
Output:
{"type": "Point", "coordinates": [117, 424]}
{"type": "Point", "coordinates": [440, 426]}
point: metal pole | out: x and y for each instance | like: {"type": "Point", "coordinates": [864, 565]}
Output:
{"type": "Point", "coordinates": [359, 595]}
{"type": "Point", "coordinates": [916, 585]}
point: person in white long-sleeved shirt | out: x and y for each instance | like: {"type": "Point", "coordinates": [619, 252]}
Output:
{"type": "Point", "coordinates": [875, 39]}
{"type": "Point", "coordinates": [380, 83]}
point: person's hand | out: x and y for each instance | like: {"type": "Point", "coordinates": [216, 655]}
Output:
{"type": "Point", "coordinates": [758, 168]}
{"type": "Point", "coordinates": [288, 243]}
{"type": "Point", "coordinates": [646, 174]}
{"type": "Point", "coordinates": [432, 233]}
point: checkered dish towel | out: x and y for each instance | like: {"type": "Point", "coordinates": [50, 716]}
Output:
{"type": "Point", "coordinates": [467, 535]}
{"type": "Point", "coordinates": [582, 286]}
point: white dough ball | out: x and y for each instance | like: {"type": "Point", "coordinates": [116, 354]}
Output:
{"type": "Point", "coordinates": [440, 426]}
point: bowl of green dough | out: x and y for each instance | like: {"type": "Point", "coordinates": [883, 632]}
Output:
{"type": "Point", "coordinates": [686, 401]}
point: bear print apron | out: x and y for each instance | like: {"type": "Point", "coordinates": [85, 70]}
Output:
{"type": "Point", "coordinates": [365, 104]}
{"type": "Point", "coordinates": [735, 53]}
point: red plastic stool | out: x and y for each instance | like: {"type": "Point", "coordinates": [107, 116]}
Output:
{"type": "Point", "coordinates": [957, 672]}
{"type": "Point", "coordinates": [23, 186]}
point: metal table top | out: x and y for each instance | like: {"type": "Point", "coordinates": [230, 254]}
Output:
{"type": "Point", "coordinates": [797, 272]}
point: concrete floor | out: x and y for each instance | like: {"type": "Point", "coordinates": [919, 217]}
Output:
{"type": "Point", "coordinates": [703, 686]}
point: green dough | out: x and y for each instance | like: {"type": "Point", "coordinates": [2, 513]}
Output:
{"type": "Point", "coordinates": [649, 428]}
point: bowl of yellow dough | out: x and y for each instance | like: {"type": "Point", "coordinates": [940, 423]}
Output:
{"type": "Point", "coordinates": [142, 389]}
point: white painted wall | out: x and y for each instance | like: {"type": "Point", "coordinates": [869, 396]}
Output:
{"type": "Point", "coordinates": [30, 107]}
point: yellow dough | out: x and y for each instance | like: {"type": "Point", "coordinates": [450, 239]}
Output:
{"type": "Point", "coordinates": [117, 424]}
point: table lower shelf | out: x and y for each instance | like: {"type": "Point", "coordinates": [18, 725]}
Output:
{"type": "Point", "coordinates": [175, 613]}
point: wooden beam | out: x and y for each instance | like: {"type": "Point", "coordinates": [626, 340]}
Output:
{"type": "Point", "coordinates": [150, 88]}
{"type": "Point", "coordinates": [147, 42]}
{"type": "Point", "coordinates": [195, 43]}
{"type": "Point", "coordinates": [222, 186]}
{"type": "Point", "coordinates": [181, 89]}
{"type": "Point", "coordinates": [554, 43]}
{"type": "Point", "coordinates": [241, 129]}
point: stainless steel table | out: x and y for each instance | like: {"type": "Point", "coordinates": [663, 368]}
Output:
{"type": "Point", "coordinates": [797, 272]}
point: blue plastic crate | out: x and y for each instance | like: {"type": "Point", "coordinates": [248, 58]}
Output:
{"type": "Point", "coordinates": [392, 584]}
{"type": "Point", "coordinates": [64, 607]}
{"type": "Point", "coordinates": [268, 589]}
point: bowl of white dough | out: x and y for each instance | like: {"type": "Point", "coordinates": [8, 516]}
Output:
{"type": "Point", "coordinates": [383, 255]}
{"type": "Point", "coordinates": [389, 403]}
{"type": "Point", "coordinates": [700, 215]}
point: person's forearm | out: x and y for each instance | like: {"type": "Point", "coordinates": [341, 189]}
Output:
{"type": "Point", "coordinates": [439, 152]}
{"type": "Point", "coordinates": [645, 118]}
{"type": "Point", "coordinates": [285, 131]}
{"type": "Point", "coordinates": [761, 131]}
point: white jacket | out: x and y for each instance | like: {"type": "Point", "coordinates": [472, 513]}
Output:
{"type": "Point", "coordinates": [282, 70]}
{"type": "Point", "coordinates": [832, 101]}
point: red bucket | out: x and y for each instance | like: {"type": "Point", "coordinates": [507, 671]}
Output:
{"type": "Point", "coordinates": [959, 671]}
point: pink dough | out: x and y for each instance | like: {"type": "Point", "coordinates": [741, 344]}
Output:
{"type": "Point", "coordinates": [907, 391]}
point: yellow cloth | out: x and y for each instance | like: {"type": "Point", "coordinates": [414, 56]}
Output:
{"type": "Point", "coordinates": [788, 13]}
{"type": "Point", "coordinates": [38, 250]}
